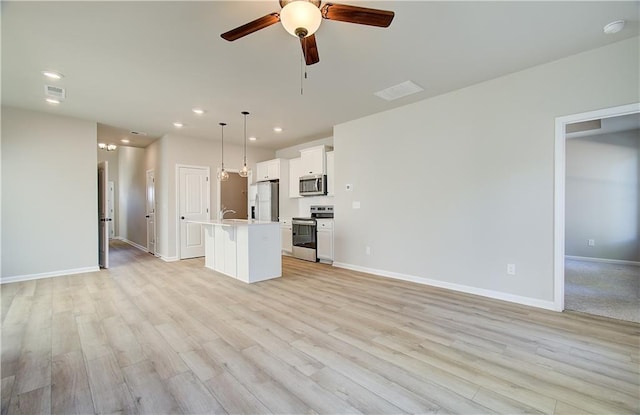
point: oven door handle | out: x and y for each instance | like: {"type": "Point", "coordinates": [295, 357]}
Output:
{"type": "Point", "coordinates": [303, 222]}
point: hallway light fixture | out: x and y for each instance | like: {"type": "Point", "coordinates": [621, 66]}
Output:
{"type": "Point", "coordinates": [613, 27]}
{"type": "Point", "coordinates": [52, 75]}
{"type": "Point", "coordinates": [244, 171]}
{"type": "Point", "coordinates": [107, 147]}
{"type": "Point", "coordinates": [222, 174]}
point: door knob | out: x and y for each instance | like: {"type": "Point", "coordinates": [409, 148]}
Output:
{"type": "Point", "coordinates": [182, 217]}
{"type": "Point", "coordinates": [147, 216]}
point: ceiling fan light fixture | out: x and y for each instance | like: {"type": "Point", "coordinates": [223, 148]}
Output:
{"type": "Point", "coordinates": [300, 18]}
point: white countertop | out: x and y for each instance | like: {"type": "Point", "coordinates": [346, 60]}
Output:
{"type": "Point", "coordinates": [233, 222]}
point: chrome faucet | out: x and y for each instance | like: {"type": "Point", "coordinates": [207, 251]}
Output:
{"type": "Point", "coordinates": [223, 211]}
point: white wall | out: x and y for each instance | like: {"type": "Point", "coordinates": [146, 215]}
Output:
{"type": "Point", "coordinates": [173, 150]}
{"type": "Point", "coordinates": [455, 187]}
{"type": "Point", "coordinates": [132, 195]}
{"type": "Point", "coordinates": [603, 196]}
{"type": "Point", "coordinates": [49, 195]}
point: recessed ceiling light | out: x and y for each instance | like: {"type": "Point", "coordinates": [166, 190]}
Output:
{"type": "Point", "coordinates": [124, 140]}
{"type": "Point", "coordinates": [178, 124]}
{"type": "Point", "coordinates": [52, 75]}
{"type": "Point", "coordinates": [277, 129]}
{"type": "Point", "coordinates": [198, 111]}
{"type": "Point", "coordinates": [613, 27]}
{"type": "Point", "coordinates": [52, 101]}
{"type": "Point", "coordinates": [253, 138]}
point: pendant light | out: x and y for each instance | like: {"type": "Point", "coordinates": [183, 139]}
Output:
{"type": "Point", "coordinates": [222, 174]}
{"type": "Point", "coordinates": [244, 171]}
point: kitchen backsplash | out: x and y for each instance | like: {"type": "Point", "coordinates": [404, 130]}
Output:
{"type": "Point", "coordinates": [304, 204]}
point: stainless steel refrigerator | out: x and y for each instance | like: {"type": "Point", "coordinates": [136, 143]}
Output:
{"type": "Point", "coordinates": [266, 201]}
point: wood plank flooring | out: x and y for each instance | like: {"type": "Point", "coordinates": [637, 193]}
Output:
{"type": "Point", "coordinates": [152, 337]}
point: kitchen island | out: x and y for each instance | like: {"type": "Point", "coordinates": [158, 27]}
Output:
{"type": "Point", "coordinates": [248, 250]}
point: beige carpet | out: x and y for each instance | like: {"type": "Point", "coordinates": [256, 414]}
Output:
{"type": "Point", "coordinates": [609, 290]}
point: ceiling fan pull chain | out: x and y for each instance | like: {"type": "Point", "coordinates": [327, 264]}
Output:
{"type": "Point", "coordinates": [301, 77]}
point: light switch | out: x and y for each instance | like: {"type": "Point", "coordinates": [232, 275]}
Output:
{"type": "Point", "coordinates": [355, 205]}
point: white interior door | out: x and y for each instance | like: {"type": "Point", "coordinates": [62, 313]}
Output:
{"type": "Point", "coordinates": [151, 212]}
{"type": "Point", "coordinates": [193, 201]}
{"type": "Point", "coordinates": [112, 215]}
{"type": "Point", "coordinates": [103, 214]}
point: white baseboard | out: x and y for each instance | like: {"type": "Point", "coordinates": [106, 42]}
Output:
{"type": "Point", "coordinates": [169, 258]}
{"type": "Point", "coordinates": [28, 277]}
{"type": "Point", "coordinates": [533, 302]}
{"type": "Point", "coordinates": [135, 245]}
{"type": "Point", "coordinates": [605, 260]}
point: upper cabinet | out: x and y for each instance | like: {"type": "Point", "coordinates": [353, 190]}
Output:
{"type": "Point", "coordinates": [312, 161]}
{"type": "Point", "coordinates": [294, 177]}
{"type": "Point", "coordinates": [268, 170]}
{"type": "Point", "coordinates": [330, 174]}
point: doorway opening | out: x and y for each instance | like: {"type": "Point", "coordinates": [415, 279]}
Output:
{"type": "Point", "coordinates": [103, 214]}
{"type": "Point", "coordinates": [596, 235]}
{"type": "Point", "coordinates": [151, 211]}
{"type": "Point", "coordinates": [233, 196]}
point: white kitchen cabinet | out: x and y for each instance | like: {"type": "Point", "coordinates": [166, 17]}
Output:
{"type": "Point", "coordinates": [312, 160]}
{"type": "Point", "coordinates": [294, 178]}
{"type": "Point", "coordinates": [268, 170]}
{"type": "Point", "coordinates": [325, 240]}
{"type": "Point", "coordinates": [330, 174]}
{"type": "Point", "coordinates": [247, 250]}
{"type": "Point", "coordinates": [225, 250]}
{"type": "Point", "coordinates": [286, 235]}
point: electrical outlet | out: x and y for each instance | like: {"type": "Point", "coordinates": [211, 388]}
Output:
{"type": "Point", "coordinates": [591, 242]}
{"type": "Point", "coordinates": [511, 269]}
{"type": "Point", "coordinates": [367, 250]}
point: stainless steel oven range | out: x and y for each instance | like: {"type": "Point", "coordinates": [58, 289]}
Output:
{"type": "Point", "coordinates": [305, 237]}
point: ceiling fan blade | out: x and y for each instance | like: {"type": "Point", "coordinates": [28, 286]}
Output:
{"type": "Point", "coordinates": [310, 49]}
{"type": "Point", "coordinates": [359, 15]}
{"type": "Point", "coordinates": [254, 26]}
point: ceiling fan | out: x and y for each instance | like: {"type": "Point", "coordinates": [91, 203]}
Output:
{"type": "Point", "coordinates": [301, 18]}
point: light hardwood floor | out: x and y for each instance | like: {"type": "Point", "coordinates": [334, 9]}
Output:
{"type": "Point", "coordinates": [152, 337]}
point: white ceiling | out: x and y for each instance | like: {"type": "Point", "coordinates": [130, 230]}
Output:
{"type": "Point", "coordinates": [143, 65]}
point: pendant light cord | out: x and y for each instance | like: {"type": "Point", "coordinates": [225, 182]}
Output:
{"type": "Point", "coordinates": [222, 145]}
{"type": "Point", "coordinates": [245, 113]}
{"type": "Point", "coordinates": [222, 149]}
{"type": "Point", "coordinates": [244, 171]}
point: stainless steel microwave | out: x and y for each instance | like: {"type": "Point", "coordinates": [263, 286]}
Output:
{"type": "Point", "coordinates": [313, 185]}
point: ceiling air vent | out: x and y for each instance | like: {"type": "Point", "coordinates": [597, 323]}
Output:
{"type": "Point", "coordinates": [578, 127]}
{"type": "Point", "coordinates": [137, 133]}
{"type": "Point", "coordinates": [55, 92]}
{"type": "Point", "coordinates": [399, 91]}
